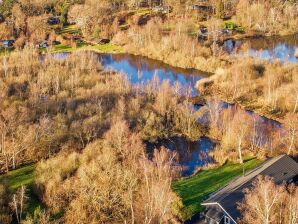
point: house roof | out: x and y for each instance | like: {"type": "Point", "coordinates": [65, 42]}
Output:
{"type": "Point", "coordinates": [281, 168]}
{"type": "Point", "coordinates": [215, 213]}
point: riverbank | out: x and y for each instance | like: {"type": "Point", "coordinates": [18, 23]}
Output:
{"type": "Point", "coordinates": [266, 88]}
{"type": "Point", "coordinates": [134, 60]}
{"type": "Point", "coordinates": [253, 35]}
{"type": "Point", "coordinates": [207, 65]}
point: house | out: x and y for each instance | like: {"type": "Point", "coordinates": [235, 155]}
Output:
{"type": "Point", "coordinates": [43, 44]}
{"type": "Point", "coordinates": [207, 8]}
{"type": "Point", "coordinates": [7, 43]}
{"type": "Point", "coordinates": [202, 5]}
{"type": "Point", "coordinates": [221, 206]}
{"type": "Point", "coordinates": [53, 20]}
{"type": "Point", "coordinates": [147, 3]}
{"type": "Point", "coordinates": [162, 9]}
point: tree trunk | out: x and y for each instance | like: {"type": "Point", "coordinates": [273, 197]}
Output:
{"type": "Point", "coordinates": [240, 151]}
{"type": "Point", "coordinates": [292, 142]}
{"type": "Point", "coordinates": [296, 103]}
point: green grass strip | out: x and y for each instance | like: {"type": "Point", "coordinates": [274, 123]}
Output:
{"type": "Point", "coordinates": [23, 176]}
{"type": "Point", "coordinates": [196, 189]}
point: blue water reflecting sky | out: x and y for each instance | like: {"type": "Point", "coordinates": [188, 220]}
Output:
{"type": "Point", "coordinates": [190, 155]}
{"type": "Point", "coordinates": [267, 48]}
{"type": "Point", "coordinates": [282, 52]}
{"type": "Point", "coordinates": [142, 70]}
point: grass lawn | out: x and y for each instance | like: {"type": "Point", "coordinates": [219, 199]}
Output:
{"type": "Point", "coordinates": [69, 29]}
{"type": "Point", "coordinates": [142, 12]}
{"type": "Point", "coordinates": [5, 51]}
{"type": "Point", "coordinates": [16, 178]}
{"type": "Point", "coordinates": [62, 48]}
{"type": "Point", "coordinates": [23, 176]}
{"type": "Point", "coordinates": [103, 48]}
{"type": "Point", "coordinates": [195, 189]}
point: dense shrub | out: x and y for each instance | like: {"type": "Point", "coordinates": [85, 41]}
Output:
{"type": "Point", "coordinates": [5, 213]}
{"type": "Point", "coordinates": [275, 17]}
{"type": "Point", "coordinates": [111, 181]}
{"type": "Point", "coordinates": [270, 88]}
{"type": "Point", "coordinates": [48, 105]}
{"type": "Point", "coordinates": [177, 48]}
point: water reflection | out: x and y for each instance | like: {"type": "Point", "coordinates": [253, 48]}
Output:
{"type": "Point", "coordinates": [268, 48]}
{"type": "Point", "coordinates": [258, 118]}
{"type": "Point", "coordinates": [141, 70]}
{"type": "Point", "coordinates": [263, 132]}
{"type": "Point", "coordinates": [190, 155]}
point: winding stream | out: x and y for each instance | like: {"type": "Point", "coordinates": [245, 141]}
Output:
{"type": "Point", "coordinates": [141, 70]}
{"type": "Point", "coordinates": [191, 154]}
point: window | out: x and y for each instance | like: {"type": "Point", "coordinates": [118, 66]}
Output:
{"type": "Point", "coordinates": [227, 220]}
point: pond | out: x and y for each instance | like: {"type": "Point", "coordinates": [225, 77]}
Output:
{"type": "Point", "coordinates": [268, 48]}
{"type": "Point", "coordinates": [190, 155]}
{"type": "Point", "coordinates": [141, 70]}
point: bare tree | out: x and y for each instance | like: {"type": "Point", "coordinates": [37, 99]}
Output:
{"type": "Point", "coordinates": [291, 123]}
{"type": "Point", "coordinates": [18, 203]}
{"type": "Point", "coordinates": [237, 126]}
{"type": "Point", "coordinates": [268, 203]}
{"type": "Point", "coordinates": [157, 194]}
{"type": "Point", "coordinates": [215, 111]}
{"type": "Point", "coordinates": [5, 214]}
{"type": "Point", "coordinates": [186, 121]}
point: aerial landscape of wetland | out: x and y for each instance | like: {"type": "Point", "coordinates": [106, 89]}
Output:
{"type": "Point", "coordinates": [145, 111]}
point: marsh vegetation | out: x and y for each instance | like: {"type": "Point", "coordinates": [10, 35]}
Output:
{"type": "Point", "coordinates": [109, 138]}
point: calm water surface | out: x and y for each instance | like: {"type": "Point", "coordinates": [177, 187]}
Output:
{"type": "Point", "coordinates": [268, 48]}
{"type": "Point", "coordinates": [190, 155]}
{"type": "Point", "coordinates": [141, 70]}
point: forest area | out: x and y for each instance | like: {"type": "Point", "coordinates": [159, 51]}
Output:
{"type": "Point", "coordinates": [75, 133]}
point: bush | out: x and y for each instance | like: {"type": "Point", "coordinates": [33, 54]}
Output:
{"type": "Point", "coordinates": [257, 16]}
{"type": "Point", "coordinates": [5, 213]}
{"type": "Point", "coordinates": [113, 181]}
{"type": "Point", "coordinates": [230, 25]}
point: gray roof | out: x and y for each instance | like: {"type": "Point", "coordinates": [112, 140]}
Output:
{"type": "Point", "coordinates": [215, 213]}
{"type": "Point", "coordinates": [281, 168]}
